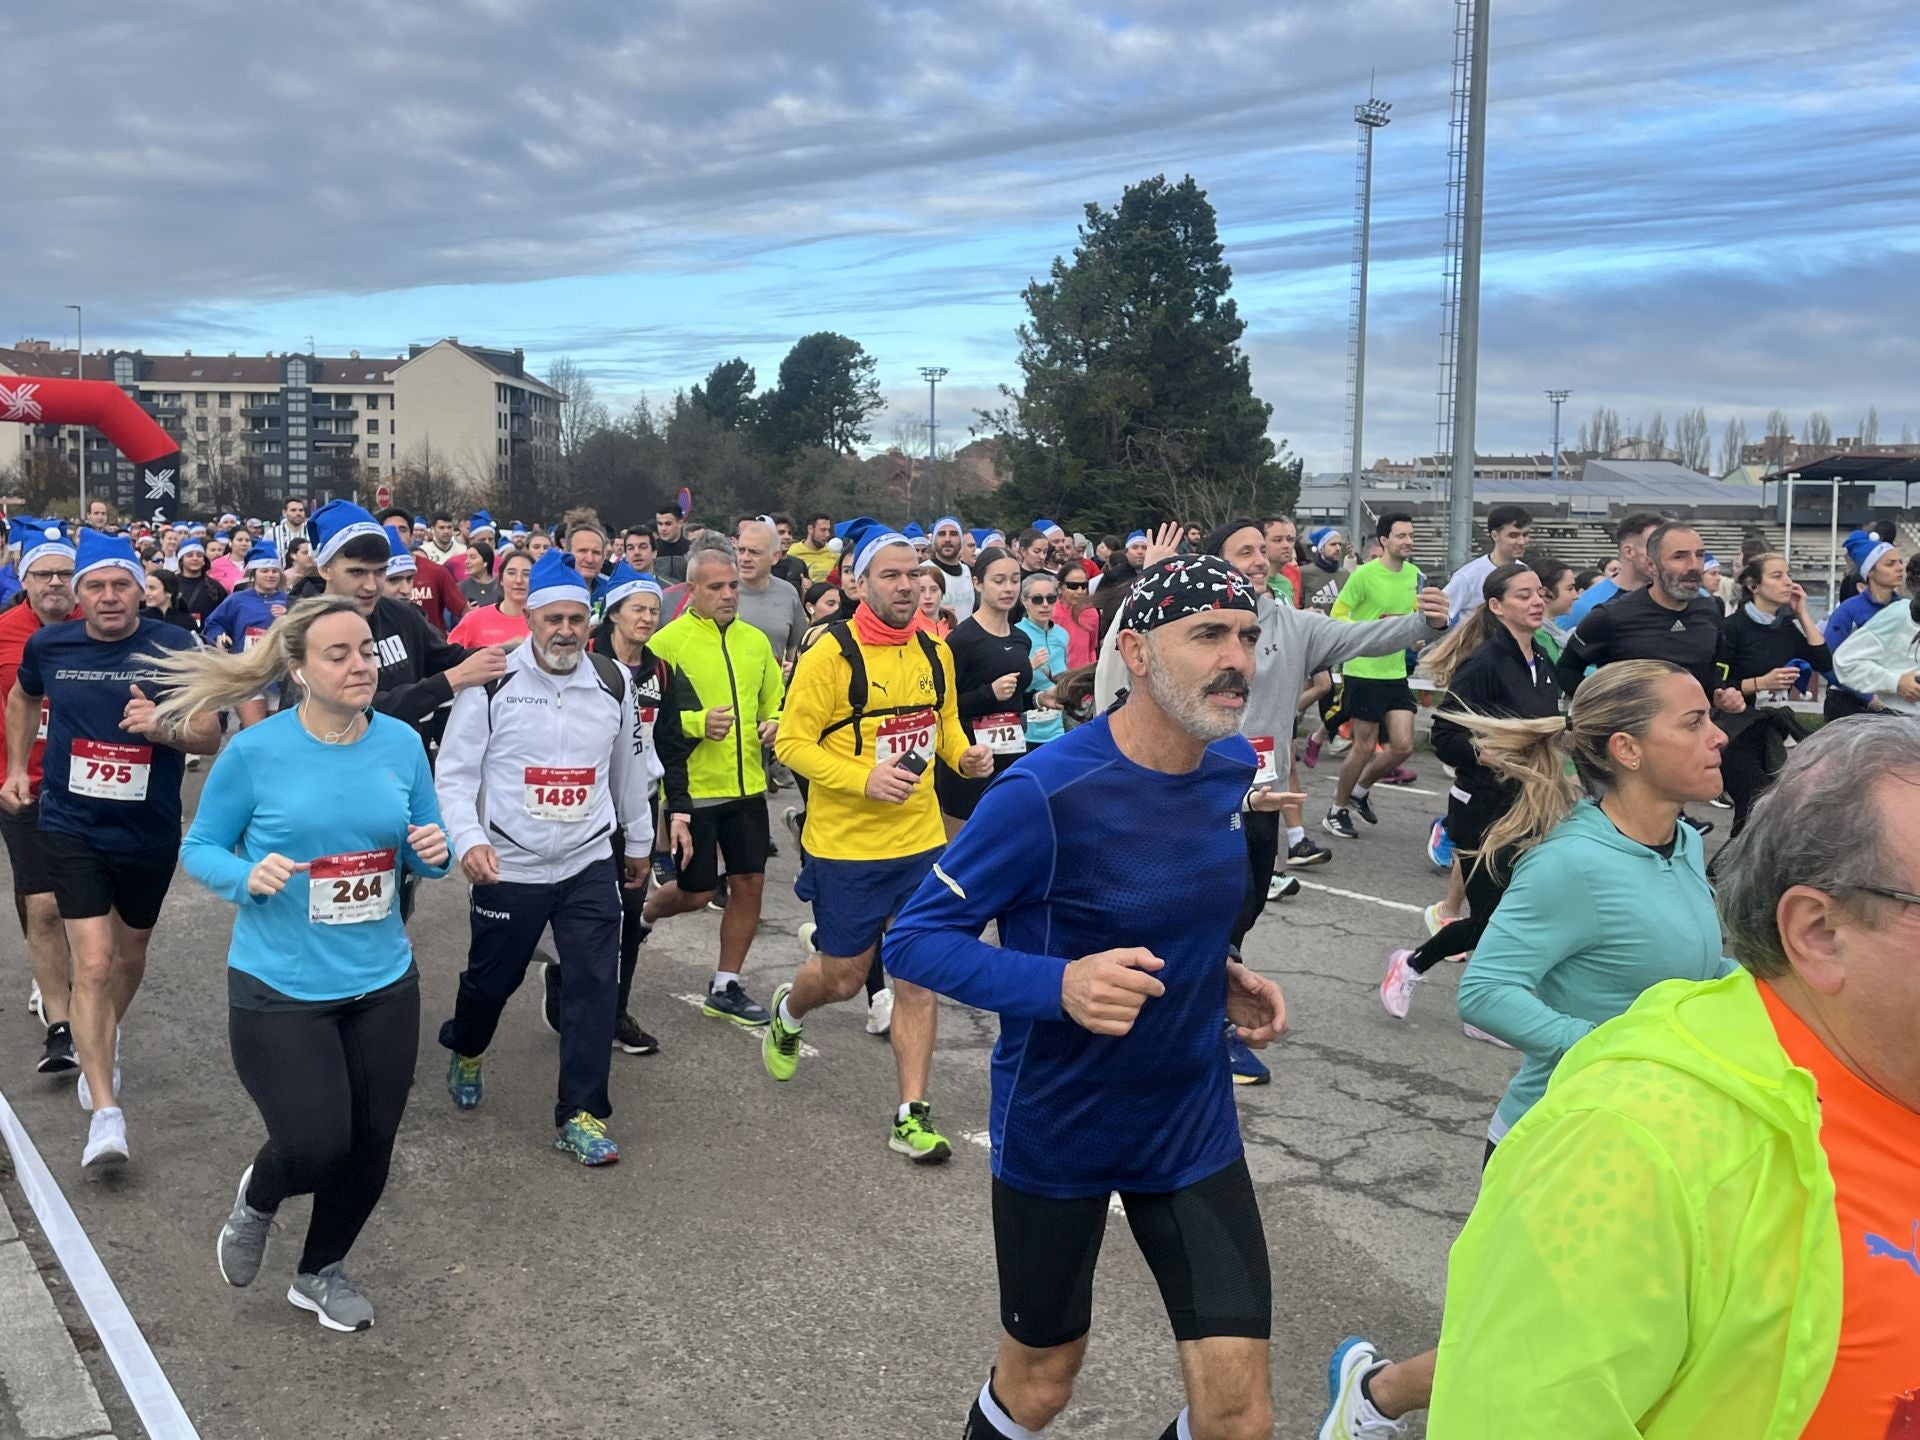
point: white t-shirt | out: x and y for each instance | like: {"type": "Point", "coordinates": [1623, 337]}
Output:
{"type": "Point", "coordinates": [1463, 590]}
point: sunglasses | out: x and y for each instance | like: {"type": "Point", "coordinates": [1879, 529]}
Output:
{"type": "Point", "coordinates": [1073, 587]}
{"type": "Point", "coordinates": [1041, 599]}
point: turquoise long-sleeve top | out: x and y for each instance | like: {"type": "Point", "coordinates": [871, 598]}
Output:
{"type": "Point", "coordinates": [277, 790]}
{"type": "Point", "coordinates": [1590, 921]}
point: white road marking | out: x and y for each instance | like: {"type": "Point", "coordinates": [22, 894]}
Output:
{"type": "Point", "coordinates": [1380, 787]}
{"type": "Point", "coordinates": [1356, 895]}
{"type": "Point", "coordinates": [133, 1360]}
{"type": "Point", "coordinates": [699, 1002]}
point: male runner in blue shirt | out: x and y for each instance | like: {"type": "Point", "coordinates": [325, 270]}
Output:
{"type": "Point", "coordinates": [1109, 1074]}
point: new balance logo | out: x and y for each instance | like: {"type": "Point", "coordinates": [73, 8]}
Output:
{"type": "Point", "coordinates": [18, 403]}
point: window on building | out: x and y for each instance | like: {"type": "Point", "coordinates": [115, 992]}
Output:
{"type": "Point", "coordinates": [200, 400]}
{"type": "Point", "coordinates": [200, 423]}
{"type": "Point", "coordinates": [226, 399]}
{"type": "Point", "coordinates": [226, 424]}
{"type": "Point", "coordinates": [373, 452]}
{"type": "Point", "coordinates": [272, 470]}
{"type": "Point", "coordinates": [296, 372]}
{"type": "Point", "coordinates": [123, 370]}
{"type": "Point", "coordinates": [373, 402]}
{"type": "Point", "coordinates": [390, 427]}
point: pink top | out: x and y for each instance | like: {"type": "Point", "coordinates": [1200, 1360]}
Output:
{"type": "Point", "coordinates": [485, 625]}
{"type": "Point", "coordinates": [1083, 635]}
{"type": "Point", "coordinates": [226, 572]}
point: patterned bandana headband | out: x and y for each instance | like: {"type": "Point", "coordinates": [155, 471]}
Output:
{"type": "Point", "coordinates": [1181, 586]}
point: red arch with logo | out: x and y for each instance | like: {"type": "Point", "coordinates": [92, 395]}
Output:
{"type": "Point", "coordinates": [30, 400]}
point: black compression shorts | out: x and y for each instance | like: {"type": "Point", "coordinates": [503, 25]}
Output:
{"type": "Point", "coordinates": [1204, 1245]}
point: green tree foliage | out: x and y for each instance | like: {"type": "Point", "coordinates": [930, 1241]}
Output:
{"type": "Point", "coordinates": [726, 395]}
{"type": "Point", "coordinates": [825, 397]}
{"type": "Point", "coordinates": [1137, 400]}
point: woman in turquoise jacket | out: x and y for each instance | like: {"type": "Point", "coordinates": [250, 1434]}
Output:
{"type": "Point", "coordinates": [1609, 898]}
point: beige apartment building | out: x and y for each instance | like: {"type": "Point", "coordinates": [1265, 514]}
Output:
{"type": "Point", "coordinates": [276, 427]}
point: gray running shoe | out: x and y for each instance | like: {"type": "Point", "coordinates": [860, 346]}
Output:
{"type": "Point", "coordinates": [331, 1296]}
{"type": "Point", "coordinates": [243, 1239]}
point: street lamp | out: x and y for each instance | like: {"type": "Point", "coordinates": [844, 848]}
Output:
{"type": "Point", "coordinates": [1559, 398]}
{"type": "Point", "coordinates": [933, 375]}
{"type": "Point", "coordinates": [1369, 117]}
{"type": "Point", "coordinates": [80, 373]}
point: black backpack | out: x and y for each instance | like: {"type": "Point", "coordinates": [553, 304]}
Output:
{"type": "Point", "coordinates": [842, 632]}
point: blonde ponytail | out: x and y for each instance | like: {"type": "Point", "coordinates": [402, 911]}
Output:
{"type": "Point", "coordinates": [197, 681]}
{"type": "Point", "coordinates": [1445, 656]}
{"type": "Point", "coordinates": [1618, 699]}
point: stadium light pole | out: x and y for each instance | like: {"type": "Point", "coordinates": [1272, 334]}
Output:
{"type": "Point", "coordinates": [1559, 398]}
{"type": "Point", "coordinates": [80, 373]}
{"type": "Point", "coordinates": [933, 375]}
{"type": "Point", "coordinates": [1467, 352]}
{"type": "Point", "coordinates": [1369, 117]}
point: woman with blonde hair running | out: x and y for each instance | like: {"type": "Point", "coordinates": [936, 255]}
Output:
{"type": "Point", "coordinates": [305, 824]}
{"type": "Point", "coordinates": [1609, 896]}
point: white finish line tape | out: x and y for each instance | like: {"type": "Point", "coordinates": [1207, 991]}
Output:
{"type": "Point", "coordinates": [133, 1361]}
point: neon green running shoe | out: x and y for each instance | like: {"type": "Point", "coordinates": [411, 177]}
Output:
{"type": "Point", "coordinates": [780, 1046]}
{"type": "Point", "coordinates": [464, 1082]}
{"type": "Point", "coordinates": [915, 1137]}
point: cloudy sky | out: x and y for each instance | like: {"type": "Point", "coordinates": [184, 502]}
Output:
{"type": "Point", "coordinates": [1712, 202]}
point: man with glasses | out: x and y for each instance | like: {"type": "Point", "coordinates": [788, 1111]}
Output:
{"type": "Point", "coordinates": [46, 573]}
{"type": "Point", "coordinates": [1709, 1227]}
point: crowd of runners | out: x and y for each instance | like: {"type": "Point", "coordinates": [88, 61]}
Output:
{"type": "Point", "coordinates": [1700, 1210]}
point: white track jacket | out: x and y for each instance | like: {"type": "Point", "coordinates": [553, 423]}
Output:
{"type": "Point", "coordinates": [543, 766]}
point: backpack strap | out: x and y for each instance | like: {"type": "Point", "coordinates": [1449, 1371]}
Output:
{"type": "Point", "coordinates": [842, 634]}
{"type": "Point", "coordinates": [611, 674]}
{"type": "Point", "coordinates": [932, 652]}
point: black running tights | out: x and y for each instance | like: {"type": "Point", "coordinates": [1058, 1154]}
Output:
{"type": "Point", "coordinates": [331, 1082]}
{"type": "Point", "coordinates": [1460, 936]}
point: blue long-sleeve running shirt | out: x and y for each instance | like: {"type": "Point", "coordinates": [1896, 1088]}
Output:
{"type": "Point", "coordinates": [1073, 851]}
{"type": "Point", "coordinates": [276, 789]}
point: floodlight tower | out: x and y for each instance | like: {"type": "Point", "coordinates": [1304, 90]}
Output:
{"type": "Point", "coordinates": [1466, 189]}
{"type": "Point", "coordinates": [1559, 398]}
{"type": "Point", "coordinates": [1369, 117]}
{"type": "Point", "coordinates": [933, 375]}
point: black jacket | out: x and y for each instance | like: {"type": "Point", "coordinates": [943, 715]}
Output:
{"type": "Point", "coordinates": [1494, 680]}
{"type": "Point", "coordinates": [414, 661]}
{"type": "Point", "coordinates": [1748, 648]}
{"type": "Point", "coordinates": [670, 560]}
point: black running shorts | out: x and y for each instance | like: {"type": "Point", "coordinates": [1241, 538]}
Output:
{"type": "Point", "coordinates": [89, 882]}
{"type": "Point", "coordinates": [28, 857]}
{"type": "Point", "coordinates": [734, 829]}
{"type": "Point", "coordinates": [1374, 700]}
{"type": "Point", "coordinates": [1204, 1245]}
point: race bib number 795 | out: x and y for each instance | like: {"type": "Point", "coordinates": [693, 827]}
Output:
{"type": "Point", "coordinates": [105, 771]}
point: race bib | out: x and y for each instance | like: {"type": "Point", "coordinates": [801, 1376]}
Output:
{"type": "Point", "coordinates": [106, 771]}
{"type": "Point", "coordinates": [1267, 772]}
{"type": "Point", "coordinates": [351, 889]}
{"type": "Point", "coordinates": [1037, 719]}
{"type": "Point", "coordinates": [1002, 734]}
{"type": "Point", "coordinates": [253, 637]}
{"type": "Point", "coordinates": [559, 794]}
{"type": "Point", "coordinates": [900, 735]}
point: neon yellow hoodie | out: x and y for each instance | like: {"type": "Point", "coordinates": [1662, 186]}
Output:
{"type": "Point", "coordinates": [1655, 1250]}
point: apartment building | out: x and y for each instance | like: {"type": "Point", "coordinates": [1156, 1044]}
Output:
{"type": "Point", "coordinates": [277, 427]}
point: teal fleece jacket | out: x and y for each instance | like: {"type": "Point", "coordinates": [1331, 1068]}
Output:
{"type": "Point", "coordinates": [1591, 920]}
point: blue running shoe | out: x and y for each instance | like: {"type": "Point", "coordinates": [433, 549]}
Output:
{"type": "Point", "coordinates": [1349, 1415]}
{"type": "Point", "coordinates": [464, 1081]}
{"type": "Point", "coordinates": [1440, 845]}
{"type": "Point", "coordinates": [585, 1139]}
{"type": "Point", "coordinates": [1247, 1067]}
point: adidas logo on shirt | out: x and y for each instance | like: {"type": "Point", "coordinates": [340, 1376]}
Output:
{"type": "Point", "coordinates": [1678, 626]}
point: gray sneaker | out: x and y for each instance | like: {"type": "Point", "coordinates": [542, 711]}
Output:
{"type": "Point", "coordinates": [243, 1239]}
{"type": "Point", "coordinates": [331, 1296]}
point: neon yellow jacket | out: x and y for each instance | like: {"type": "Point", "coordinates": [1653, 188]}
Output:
{"type": "Point", "coordinates": [1655, 1250]}
{"type": "Point", "coordinates": [714, 667]}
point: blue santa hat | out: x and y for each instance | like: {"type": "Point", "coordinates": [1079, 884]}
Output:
{"type": "Point", "coordinates": [980, 537]}
{"type": "Point", "coordinates": [873, 542]}
{"type": "Point", "coordinates": [263, 557]}
{"type": "Point", "coordinates": [1321, 534]}
{"type": "Point", "coordinates": [555, 578]}
{"type": "Point", "coordinates": [946, 520]}
{"type": "Point", "coordinates": [400, 559]}
{"type": "Point", "coordinates": [623, 582]}
{"type": "Point", "coordinates": [913, 531]}
{"type": "Point", "coordinates": [1046, 526]}
{"type": "Point", "coordinates": [1865, 549]}
{"type": "Point", "coordinates": [98, 551]}
{"type": "Point", "coordinates": [192, 543]}
{"type": "Point", "coordinates": [481, 523]}
{"type": "Point", "coordinates": [1133, 535]}
{"type": "Point", "coordinates": [334, 524]}
{"type": "Point", "coordinates": [38, 540]}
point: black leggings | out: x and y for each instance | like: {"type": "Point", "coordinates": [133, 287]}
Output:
{"type": "Point", "coordinates": [1459, 936]}
{"type": "Point", "coordinates": [1748, 766]}
{"type": "Point", "coordinates": [633, 924]}
{"type": "Point", "coordinates": [331, 1082]}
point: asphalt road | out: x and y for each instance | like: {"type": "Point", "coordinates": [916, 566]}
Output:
{"type": "Point", "coordinates": [759, 1263]}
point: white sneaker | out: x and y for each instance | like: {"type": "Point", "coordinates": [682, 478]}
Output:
{"type": "Point", "coordinates": [106, 1139]}
{"type": "Point", "coordinates": [806, 933]}
{"type": "Point", "coordinates": [1396, 990]}
{"type": "Point", "coordinates": [1282, 887]}
{"type": "Point", "coordinates": [1474, 1032]}
{"type": "Point", "coordinates": [85, 1091]}
{"type": "Point", "coordinates": [1350, 1416]}
{"type": "Point", "coordinates": [880, 1011]}
{"type": "Point", "coordinates": [37, 1005]}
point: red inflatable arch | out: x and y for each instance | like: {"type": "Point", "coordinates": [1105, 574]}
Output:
{"type": "Point", "coordinates": [27, 400]}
